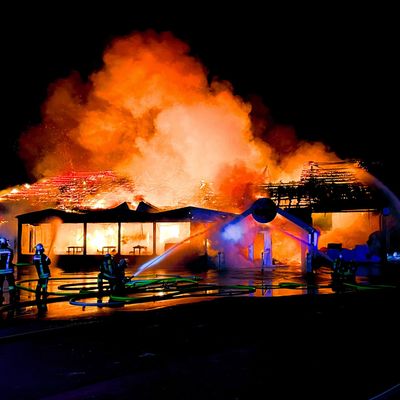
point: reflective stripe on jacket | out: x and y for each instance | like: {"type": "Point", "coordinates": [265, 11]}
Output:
{"type": "Point", "coordinates": [42, 263]}
{"type": "Point", "coordinates": [6, 265]}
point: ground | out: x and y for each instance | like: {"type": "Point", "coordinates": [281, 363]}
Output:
{"type": "Point", "coordinates": [314, 347]}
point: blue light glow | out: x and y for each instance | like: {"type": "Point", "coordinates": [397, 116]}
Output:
{"type": "Point", "coordinates": [232, 233]}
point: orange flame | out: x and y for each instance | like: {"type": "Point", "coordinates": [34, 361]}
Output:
{"type": "Point", "coordinates": [150, 114]}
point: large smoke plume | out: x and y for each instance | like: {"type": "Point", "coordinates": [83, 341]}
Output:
{"type": "Point", "coordinates": [151, 114]}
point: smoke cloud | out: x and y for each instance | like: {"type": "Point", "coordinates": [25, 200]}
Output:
{"type": "Point", "coordinates": [152, 115]}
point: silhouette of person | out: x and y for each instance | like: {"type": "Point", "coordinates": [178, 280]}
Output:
{"type": "Point", "coordinates": [113, 273]}
{"type": "Point", "coordinates": [107, 271]}
{"type": "Point", "coordinates": [41, 262]}
{"type": "Point", "coordinates": [7, 270]}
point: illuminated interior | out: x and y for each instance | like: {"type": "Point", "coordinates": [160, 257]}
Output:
{"type": "Point", "coordinates": [169, 233]}
{"type": "Point", "coordinates": [347, 228]}
{"type": "Point", "coordinates": [102, 238]}
{"type": "Point", "coordinates": [34, 234]}
{"type": "Point", "coordinates": [137, 238]}
{"type": "Point", "coordinates": [286, 249]}
{"type": "Point", "coordinates": [288, 240]}
{"type": "Point", "coordinates": [69, 239]}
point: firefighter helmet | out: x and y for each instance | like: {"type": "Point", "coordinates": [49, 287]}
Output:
{"type": "Point", "coordinates": [3, 242]}
{"type": "Point", "coordinates": [39, 248]}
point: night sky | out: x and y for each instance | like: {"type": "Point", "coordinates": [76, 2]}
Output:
{"type": "Point", "coordinates": [330, 73]}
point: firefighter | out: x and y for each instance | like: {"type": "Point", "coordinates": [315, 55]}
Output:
{"type": "Point", "coordinates": [113, 273]}
{"type": "Point", "coordinates": [343, 270]}
{"type": "Point", "coordinates": [41, 262]}
{"type": "Point", "coordinates": [377, 246]}
{"type": "Point", "coordinates": [6, 269]}
{"type": "Point", "coordinates": [107, 272]}
{"type": "Point", "coordinates": [120, 279]}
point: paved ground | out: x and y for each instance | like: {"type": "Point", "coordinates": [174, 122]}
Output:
{"type": "Point", "coordinates": [314, 347]}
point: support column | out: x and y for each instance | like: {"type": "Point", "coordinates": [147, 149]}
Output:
{"type": "Point", "coordinates": [267, 253]}
{"type": "Point", "coordinates": [84, 238]}
{"type": "Point", "coordinates": [250, 250]}
{"type": "Point", "coordinates": [119, 239]}
{"type": "Point", "coordinates": [154, 238]}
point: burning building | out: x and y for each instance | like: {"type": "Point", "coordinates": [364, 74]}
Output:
{"type": "Point", "coordinates": [215, 236]}
{"type": "Point", "coordinates": [136, 234]}
{"type": "Point", "coordinates": [328, 199]}
{"type": "Point", "coordinates": [75, 190]}
{"type": "Point", "coordinates": [83, 237]}
{"type": "Point", "coordinates": [334, 198]}
{"type": "Point", "coordinates": [161, 130]}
